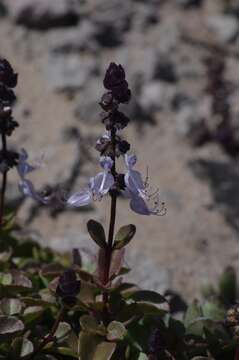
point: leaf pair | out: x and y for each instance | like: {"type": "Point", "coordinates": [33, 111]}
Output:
{"type": "Point", "coordinates": [122, 238]}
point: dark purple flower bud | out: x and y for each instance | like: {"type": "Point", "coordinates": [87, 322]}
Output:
{"type": "Point", "coordinates": [103, 144]}
{"type": "Point", "coordinates": [123, 146]}
{"type": "Point", "coordinates": [120, 120]}
{"type": "Point", "coordinates": [8, 126]}
{"type": "Point", "coordinates": [114, 76]}
{"type": "Point", "coordinates": [156, 343]}
{"type": "Point", "coordinates": [106, 119]}
{"type": "Point", "coordinates": [122, 93]}
{"type": "Point", "coordinates": [8, 159]}
{"type": "Point", "coordinates": [6, 95]}
{"type": "Point", "coordinates": [7, 76]}
{"type": "Point", "coordinates": [7, 123]}
{"type": "Point", "coordinates": [107, 101]}
{"type": "Point", "coordinates": [5, 112]}
{"type": "Point", "coordinates": [68, 287]}
{"type": "Point", "coordinates": [77, 259]}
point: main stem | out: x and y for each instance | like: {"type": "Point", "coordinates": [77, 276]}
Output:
{"type": "Point", "coordinates": [4, 180]}
{"type": "Point", "coordinates": [109, 248]}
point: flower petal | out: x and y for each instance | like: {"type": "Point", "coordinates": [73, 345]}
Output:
{"type": "Point", "coordinates": [130, 160]}
{"type": "Point", "coordinates": [102, 183]}
{"type": "Point", "coordinates": [138, 205]}
{"type": "Point", "coordinates": [23, 167]}
{"type": "Point", "coordinates": [106, 162]}
{"type": "Point", "coordinates": [134, 182]}
{"type": "Point", "coordinates": [81, 198]}
{"type": "Point", "coordinates": [27, 188]}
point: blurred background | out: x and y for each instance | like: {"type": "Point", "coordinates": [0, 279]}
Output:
{"type": "Point", "coordinates": [182, 62]}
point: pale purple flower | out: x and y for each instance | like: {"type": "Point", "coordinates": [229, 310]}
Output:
{"type": "Point", "coordinates": [80, 198]}
{"type": "Point", "coordinates": [23, 166]}
{"type": "Point", "coordinates": [99, 186]}
{"type": "Point", "coordinates": [141, 200]}
{"type": "Point", "coordinates": [53, 197]}
{"type": "Point", "coordinates": [28, 189]}
{"type": "Point", "coordinates": [133, 179]}
{"type": "Point", "coordinates": [147, 205]}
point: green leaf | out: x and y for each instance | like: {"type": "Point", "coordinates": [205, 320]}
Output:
{"type": "Point", "coordinates": [10, 306]}
{"type": "Point", "coordinates": [197, 326]}
{"type": "Point", "coordinates": [10, 325]}
{"type": "Point", "coordinates": [5, 256]}
{"type": "Point", "coordinates": [228, 286]}
{"type": "Point", "coordinates": [65, 351]}
{"type": "Point", "coordinates": [104, 351]}
{"type": "Point", "coordinates": [32, 313]}
{"type": "Point", "coordinates": [51, 271]}
{"type": "Point", "coordinates": [149, 296]}
{"type": "Point", "coordinates": [89, 324]}
{"type": "Point", "coordinates": [5, 279]}
{"type": "Point", "coordinates": [124, 236]}
{"type": "Point", "coordinates": [142, 356]}
{"type": "Point", "coordinates": [193, 312]}
{"type": "Point", "coordinates": [87, 345]}
{"type": "Point", "coordinates": [116, 331]}
{"type": "Point", "coordinates": [213, 311]}
{"type": "Point", "coordinates": [97, 233]}
{"type": "Point", "coordinates": [94, 348]}
{"type": "Point", "coordinates": [116, 262]}
{"type": "Point", "coordinates": [22, 347]}
{"type": "Point", "coordinates": [62, 330]}
{"type": "Point", "coordinates": [37, 302]}
{"type": "Point", "coordinates": [8, 221]}
{"type": "Point", "coordinates": [15, 282]}
{"type": "Point", "coordinates": [149, 309]}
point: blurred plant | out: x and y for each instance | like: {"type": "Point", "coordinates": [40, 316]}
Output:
{"type": "Point", "coordinates": [220, 127]}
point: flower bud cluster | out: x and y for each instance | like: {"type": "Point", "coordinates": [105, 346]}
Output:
{"type": "Point", "coordinates": [68, 287]}
{"type": "Point", "coordinates": [8, 81]}
{"type": "Point", "coordinates": [114, 120]}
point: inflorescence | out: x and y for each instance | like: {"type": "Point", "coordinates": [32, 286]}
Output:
{"type": "Point", "coordinates": [111, 145]}
{"type": "Point", "coordinates": [8, 81]}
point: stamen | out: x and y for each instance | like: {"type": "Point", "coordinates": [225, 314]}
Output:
{"type": "Point", "coordinates": [162, 211]}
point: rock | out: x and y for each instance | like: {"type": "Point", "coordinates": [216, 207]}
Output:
{"type": "Point", "coordinates": [142, 64]}
{"type": "Point", "coordinates": [112, 18]}
{"type": "Point", "coordinates": [146, 274]}
{"type": "Point", "coordinates": [191, 122]}
{"type": "Point", "coordinates": [145, 15]}
{"type": "Point", "coordinates": [180, 100]}
{"type": "Point", "coordinates": [225, 27]}
{"type": "Point", "coordinates": [76, 39]}
{"type": "Point", "coordinates": [186, 119]}
{"type": "Point", "coordinates": [87, 108]}
{"type": "Point", "coordinates": [69, 73]}
{"type": "Point", "coordinates": [190, 3]}
{"type": "Point", "coordinates": [155, 95]}
{"type": "Point", "coordinates": [138, 114]}
{"type": "Point", "coordinates": [165, 70]}
{"type": "Point", "coordinates": [43, 14]}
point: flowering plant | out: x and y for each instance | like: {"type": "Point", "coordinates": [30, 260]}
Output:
{"type": "Point", "coordinates": [52, 308]}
